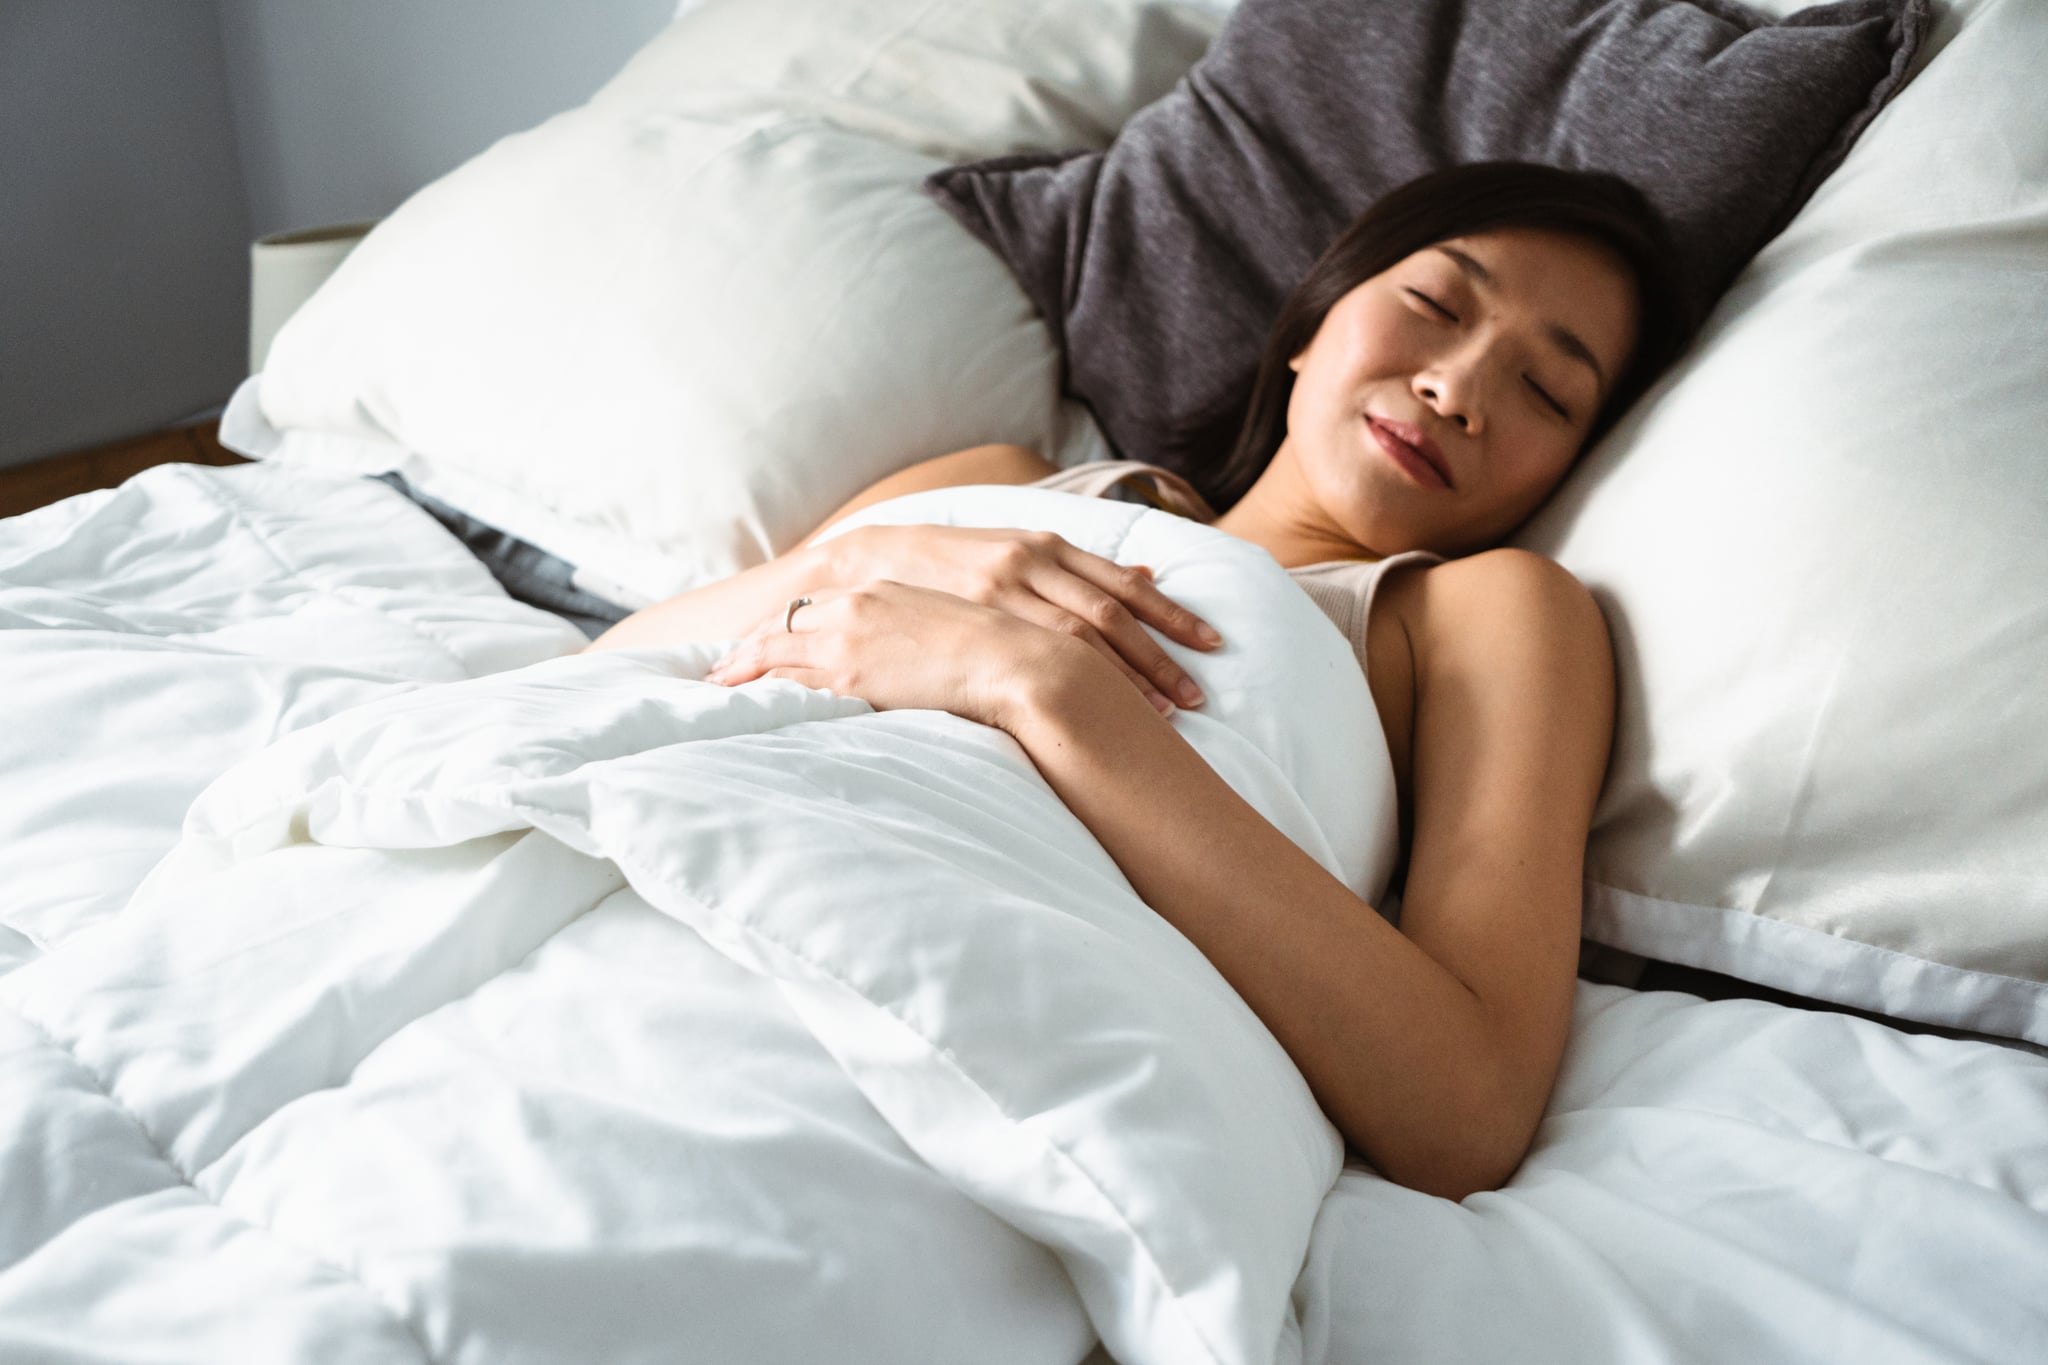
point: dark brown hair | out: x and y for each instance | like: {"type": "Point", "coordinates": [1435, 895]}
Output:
{"type": "Point", "coordinates": [1454, 203]}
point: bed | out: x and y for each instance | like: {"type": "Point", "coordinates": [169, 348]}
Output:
{"type": "Point", "coordinates": [382, 979]}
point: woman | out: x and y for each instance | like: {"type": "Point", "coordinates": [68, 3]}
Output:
{"type": "Point", "coordinates": [1424, 389]}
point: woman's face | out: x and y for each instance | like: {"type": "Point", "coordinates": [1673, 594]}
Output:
{"type": "Point", "coordinates": [1442, 400]}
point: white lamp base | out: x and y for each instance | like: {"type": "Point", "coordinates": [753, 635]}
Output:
{"type": "Point", "coordinates": [284, 270]}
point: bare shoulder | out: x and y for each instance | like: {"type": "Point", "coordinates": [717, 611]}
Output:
{"type": "Point", "coordinates": [1511, 583]}
{"type": "Point", "coordinates": [1509, 644]}
{"type": "Point", "coordinates": [1507, 608]}
{"type": "Point", "coordinates": [997, 463]}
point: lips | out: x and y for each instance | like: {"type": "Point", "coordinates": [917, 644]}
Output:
{"type": "Point", "coordinates": [1412, 449]}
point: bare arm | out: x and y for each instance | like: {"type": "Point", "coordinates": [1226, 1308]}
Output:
{"type": "Point", "coordinates": [1433, 1047]}
{"type": "Point", "coordinates": [1004, 464]}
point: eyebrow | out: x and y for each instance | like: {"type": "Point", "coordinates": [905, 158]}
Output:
{"type": "Point", "coordinates": [1567, 340]}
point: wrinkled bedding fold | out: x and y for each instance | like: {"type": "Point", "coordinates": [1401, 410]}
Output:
{"type": "Point", "coordinates": [380, 980]}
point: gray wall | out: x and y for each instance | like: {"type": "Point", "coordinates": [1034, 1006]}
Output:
{"type": "Point", "coordinates": [144, 142]}
{"type": "Point", "coordinates": [123, 230]}
{"type": "Point", "coordinates": [345, 107]}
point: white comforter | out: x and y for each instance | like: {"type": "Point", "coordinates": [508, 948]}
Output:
{"type": "Point", "coordinates": [495, 1005]}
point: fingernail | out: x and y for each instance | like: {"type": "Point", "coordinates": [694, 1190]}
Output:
{"type": "Point", "coordinates": [1190, 695]}
{"type": "Point", "coordinates": [1145, 569]}
{"type": "Point", "coordinates": [1206, 633]}
{"type": "Point", "coordinates": [1160, 704]}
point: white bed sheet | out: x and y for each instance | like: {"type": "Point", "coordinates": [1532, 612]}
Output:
{"type": "Point", "coordinates": [1731, 1180]}
{"type": "Point", "coordinates": [150, 635]}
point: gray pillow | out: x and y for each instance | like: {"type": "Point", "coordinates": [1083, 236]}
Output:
{"type": "Point", "coordinates": [1161, 262]}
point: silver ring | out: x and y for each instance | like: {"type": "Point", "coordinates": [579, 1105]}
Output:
{"type": "Point", "coordinates": [790, 614]}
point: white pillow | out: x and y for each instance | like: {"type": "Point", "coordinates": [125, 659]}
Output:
{"type": "Point", "coordinates": [663, 335]}
{"type": "Point", "coordinates": [1823, 549]}
{"type": "Point", "coordinates": [958, 81]}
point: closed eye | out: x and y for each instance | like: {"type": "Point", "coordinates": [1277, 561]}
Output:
{"type": "Point", "coordinates": [1554, 405]}
{"type": "Point", "coordinates": [1434, 304]}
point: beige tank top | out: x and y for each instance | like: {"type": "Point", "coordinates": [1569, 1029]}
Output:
{"type": "Point", "coordinates": [1343, 588]}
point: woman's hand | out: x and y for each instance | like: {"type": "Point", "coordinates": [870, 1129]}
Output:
{"type": "Point", "coordinates": [1037, 577]}
{"type": "Point", "coordinates": [896, 646]}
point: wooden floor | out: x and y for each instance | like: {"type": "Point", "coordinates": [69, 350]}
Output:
{"type": "Point", "coordinates": [28, 486]}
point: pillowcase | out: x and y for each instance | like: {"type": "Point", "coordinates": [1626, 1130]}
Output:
{"type": "Point", "coordinates": [1161, 263]}
{"type": "Point", "coordinates": [950, 80]}
{"type": "Point", "coordinates": [1820, 547]}
{"type": "Point", "coordinates": [664, 334]}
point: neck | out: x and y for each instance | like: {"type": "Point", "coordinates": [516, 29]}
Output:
{"type": "Point", "coordinates": [1278, 515]}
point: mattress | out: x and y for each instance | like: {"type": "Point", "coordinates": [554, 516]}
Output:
{"type": "Point", "coordinates": [675, 1167]}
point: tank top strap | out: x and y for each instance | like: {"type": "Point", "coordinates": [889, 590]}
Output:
{"type": "Point", "coordinates": [1345, 589]}
{"type": "Point", "coordinates": [1133, 480]}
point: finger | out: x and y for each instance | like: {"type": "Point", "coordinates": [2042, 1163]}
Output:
{"type": "Point", "coordinates": [1081, 630]}
{"type": "Point", "coordinates": [737, 657]}
{"type": "Point", "coordinates": [760, 653]}
{"type": "Point", "coordinates": [1132, 585]}
{"type": "Point", "coordinates": [1120, 630]}
{"type": "Point", "coordinates": [804, 620]}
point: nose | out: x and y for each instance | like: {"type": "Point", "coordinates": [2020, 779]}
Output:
{"type": "Point", "coordinates": [1451, 385]}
